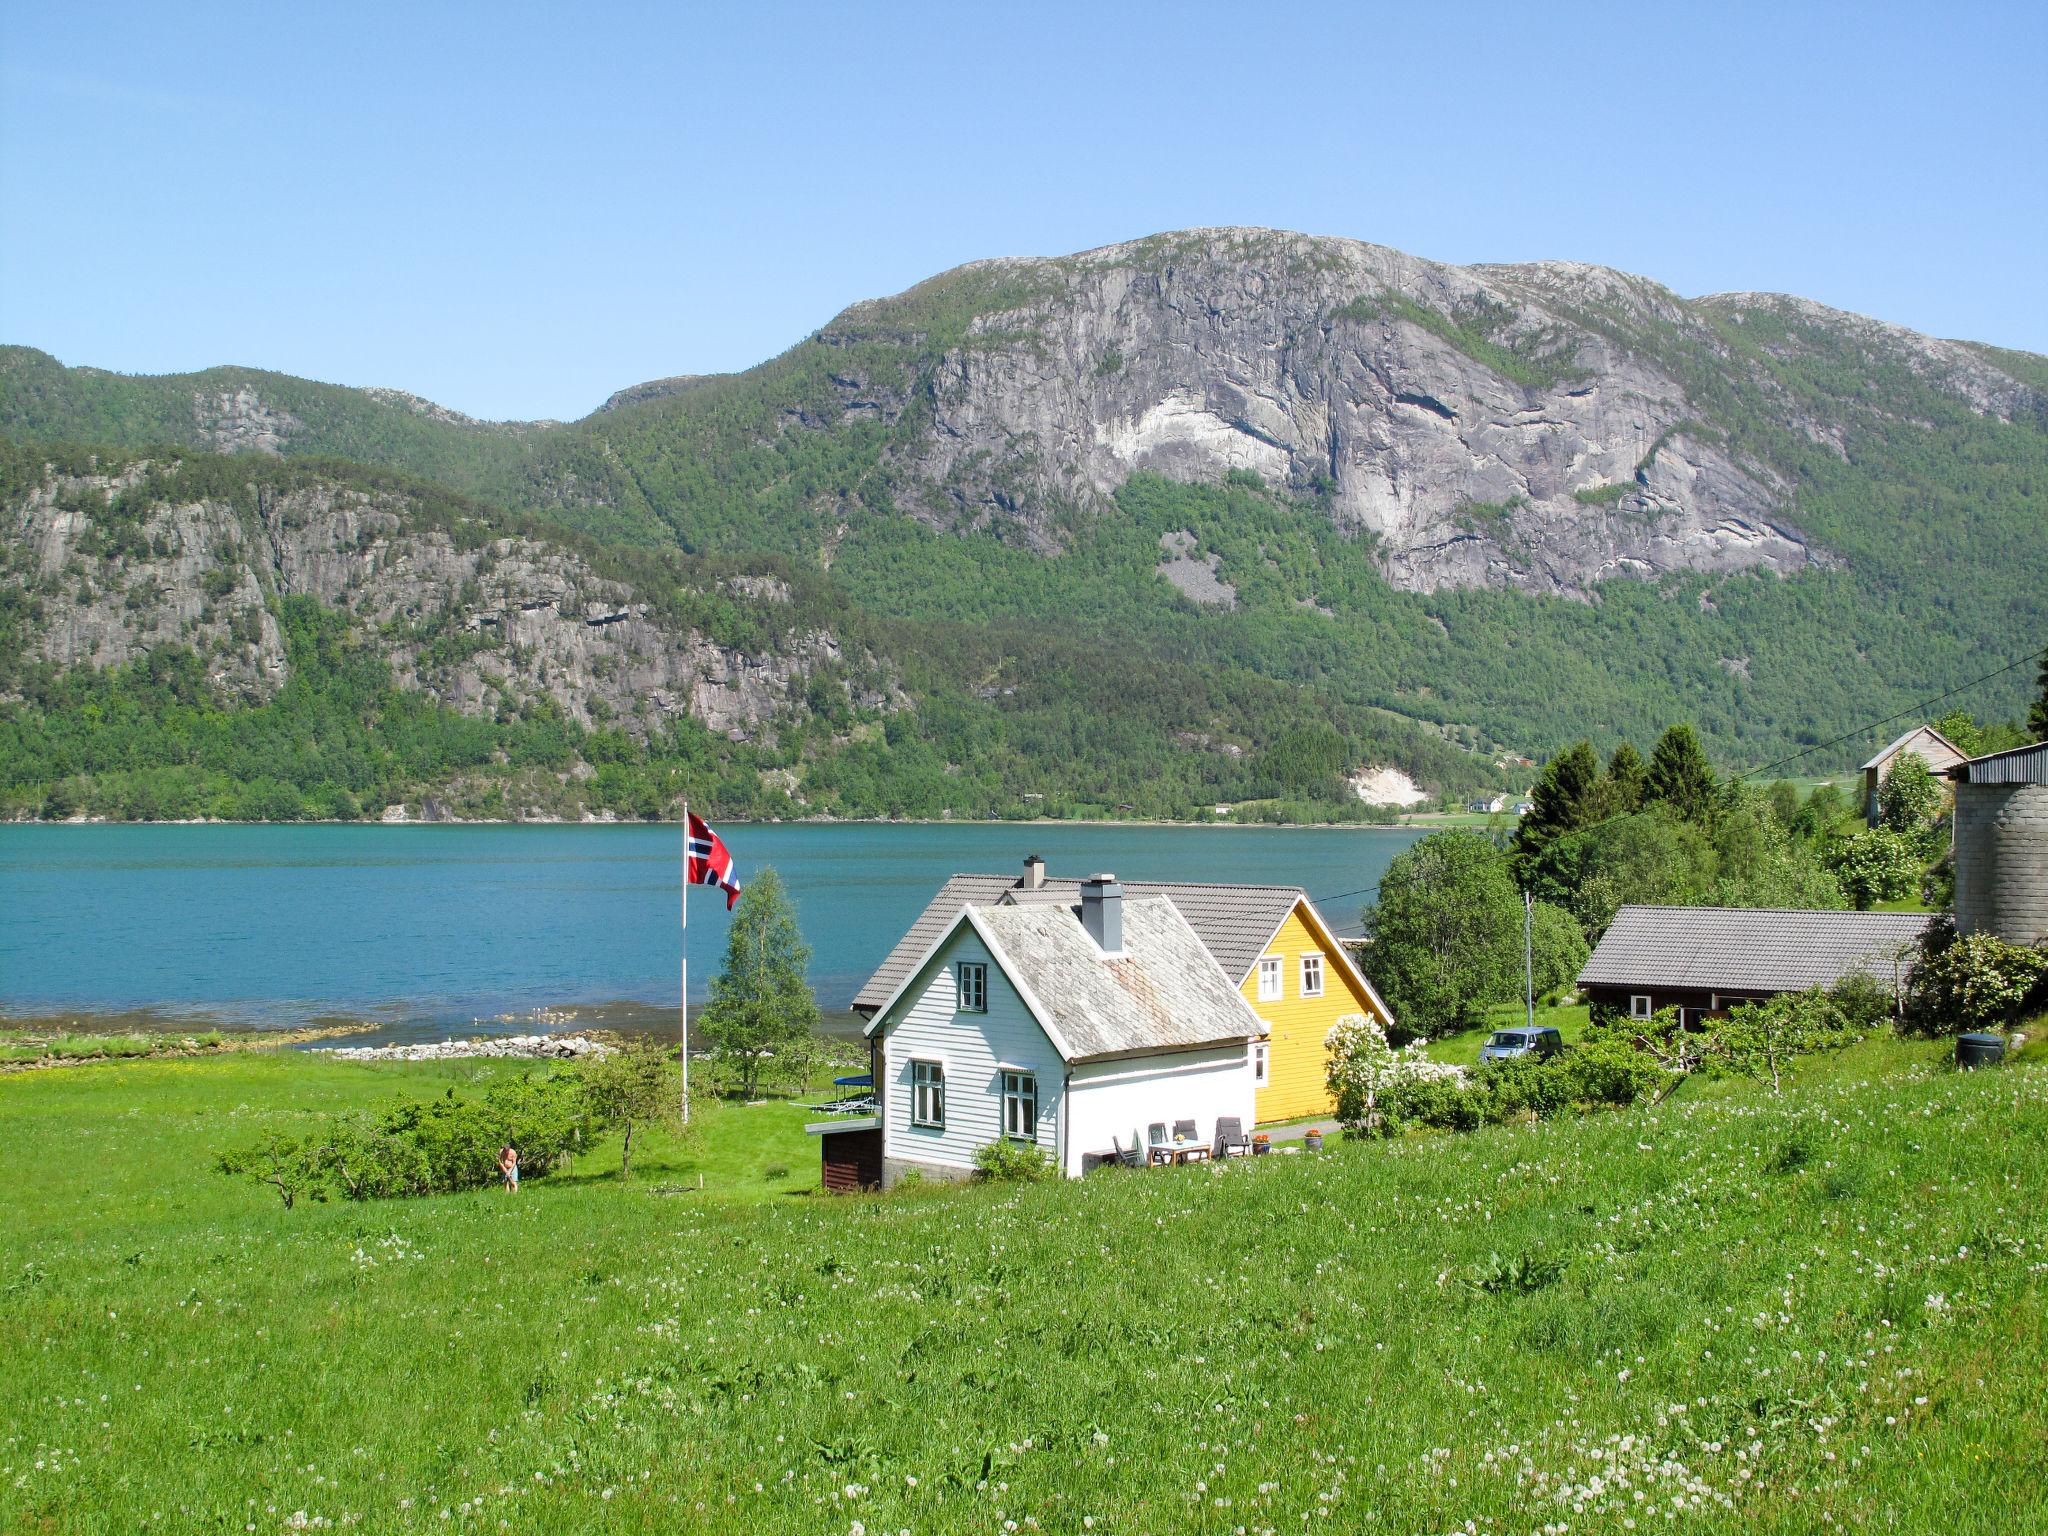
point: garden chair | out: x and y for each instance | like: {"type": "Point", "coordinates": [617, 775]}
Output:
{"type": "Point", "coordinates": [1231, 1140]}
{"type": "Point", "coordinates": [1184, 1130]}
{"type": "Point", "coordinates": [1128, 1157]}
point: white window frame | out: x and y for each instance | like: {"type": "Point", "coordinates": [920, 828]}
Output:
{"type": "Point", "coordinates": [928, 1094]}
{"type": "Point", "coordinates": [1020, 1105]}
{"type": "Point", "coordinates": [1262, 1063]}
{"type": "Point", "coordinates": [1272, 978]}
{"type": "Point", "coordinates": [972, 981]}
{"type": "Point", "coordinates": [1312, 974]}
{"type": "Point", "coordinates": [1639, 1005]}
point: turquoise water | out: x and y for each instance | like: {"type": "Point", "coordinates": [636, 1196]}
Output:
{"type": "Point", "coordinates": [427, 928]}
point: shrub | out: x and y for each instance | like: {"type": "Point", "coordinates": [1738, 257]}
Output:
{"type": "Point", "coordinates": [293, 1166]}
{"type": "Point", "coordinates": [1874, 866]}
{"type": "Point", "coordinates": [1602, 1072]}
{"type": "Point", "coordinates": [1863, 1000]}
{"type": "Point", "coordinates": [1367, 1075]}
{"type": "Point", "coordinates": [1978, 982]}
{"type": "Point", "coordinates": [1012, 1162]}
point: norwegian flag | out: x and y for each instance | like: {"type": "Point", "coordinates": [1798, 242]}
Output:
{"type": "Point", "coordinates": [707, 861]}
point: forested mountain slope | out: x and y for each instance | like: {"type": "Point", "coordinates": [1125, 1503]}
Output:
{"type": "Point", "coordinates": [1519, 504]}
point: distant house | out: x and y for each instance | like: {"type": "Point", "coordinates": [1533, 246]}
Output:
{"type": "Point", "coordinates": [1071, 1028]}
{"type": "Point", "coordinates": [2002, 844]}
{"type": "Point", "coordinates": [1270, 940]}
{"type": "Point", "coordinates": [1490, 805]}
{"type": "Point", "coordinates": [1705, 960]}
{"type": "Point", "coordinates": [1524, 807]}
{"type": "Point", "coordinates": [1924, 742]}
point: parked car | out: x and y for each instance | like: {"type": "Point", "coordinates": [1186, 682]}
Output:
{"type": "Point", "coordinates": [1514, 1044]}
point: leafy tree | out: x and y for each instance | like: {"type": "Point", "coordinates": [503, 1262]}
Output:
{"type": "Point", "coordinates": [760, 1002]}
{"type": "Point", "coordinates": [635, 1086]}
{"type": "Point", "coordinates": [1563, 800]}
{"type": "Point", "coordinates": [1651, 857]}
{"type": "Point", "coordinates": [1444, 939]}
{"type": "Point", "coordinates": [1760, 1040]}
{"type": "Point", "coordinates": [1557, 948]}
{"type": "Point", "coordinates": [1874, 866]}
{"type": "Point", "coordinates": [2037, 712]}
{"type": "Point", "coordinates": [294, 1166]}
{"type": "Point", "coordinates": [1681, 777]}
{"type": "Point", "coordinates": [1909, 798]}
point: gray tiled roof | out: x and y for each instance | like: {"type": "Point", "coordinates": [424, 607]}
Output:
{"type": "Point", "coordinates": [1164, 992]}
{"type": "Point", "coordinates": [1737, 949]}
{"type": "Point", "coordinates": [1234, 921]}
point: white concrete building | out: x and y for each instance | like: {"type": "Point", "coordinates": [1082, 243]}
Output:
{"type": "Point", "coordinates": [1074, 1027]}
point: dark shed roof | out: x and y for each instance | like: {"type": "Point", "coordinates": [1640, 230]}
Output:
{"type": "Point", "coordinates": [1233, 921]}
{"type": "Point", "coordinates": [2021, 765]}
{"type": "Point", "coordinates": [1748, 949]}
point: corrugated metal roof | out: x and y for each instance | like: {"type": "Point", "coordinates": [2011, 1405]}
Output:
{"type": "Point", "coordinates": [1233, 921]}
{"type": "Point", "coordinates": [1739, 949]}
{"type": "Point", "coordinates": [2019, 765]}
{"type": "Point", "coordinates": [1165, 992]}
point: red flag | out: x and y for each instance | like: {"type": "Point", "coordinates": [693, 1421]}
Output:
{"type": "Point", "coordinates": [708, 861]}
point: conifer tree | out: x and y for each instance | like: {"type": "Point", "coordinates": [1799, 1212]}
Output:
{"type": "Point", "coordinates": [1681, 777]}
{"type": "Point", "coordinates": [1564, 800]}
{"type": "Point", "coordinates": [1625, 783]}
{"type": "Point", "coordinates": [761, 1003]}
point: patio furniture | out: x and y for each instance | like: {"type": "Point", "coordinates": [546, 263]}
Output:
{"type": "Point", "coordinates": [1231, 1140]}
{"type": "Point", "coordinates": [1127, 1157]}
{"type": "Point", "coordinates": [1180, 1152]}
{"type": "Point", "coordinates": [1184, 1130]}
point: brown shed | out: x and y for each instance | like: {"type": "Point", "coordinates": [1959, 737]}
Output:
{"type": "Point", "coordinates": [851, 1150]}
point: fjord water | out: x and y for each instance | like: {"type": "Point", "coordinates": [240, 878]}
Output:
{"type": "Point", "coordinates": [426, 929]}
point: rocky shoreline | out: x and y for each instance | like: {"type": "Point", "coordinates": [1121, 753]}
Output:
{"type": "Point", "coordinates": [526, 1047]}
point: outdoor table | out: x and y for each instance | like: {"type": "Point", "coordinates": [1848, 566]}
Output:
{"type": "Point", "coordinates": [1171, 1152]}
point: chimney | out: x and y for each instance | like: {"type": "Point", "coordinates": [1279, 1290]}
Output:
{"type": "Point", "coordinates": [1102, 912]}
{"type": "Point", "coordinates": [1034, 873]}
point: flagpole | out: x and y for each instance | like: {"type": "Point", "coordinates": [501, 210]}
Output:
{"type": "Point", "coordinates": [686, 960]}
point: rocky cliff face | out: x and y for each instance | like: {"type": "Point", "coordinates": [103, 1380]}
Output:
{"type": "Point", "coordinates": [479, 622]}
{"type": "Point", "coordinates": [1512, 425]}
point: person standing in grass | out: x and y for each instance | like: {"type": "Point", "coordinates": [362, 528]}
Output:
{"type": "Point", "coordinates": [508, 1165]}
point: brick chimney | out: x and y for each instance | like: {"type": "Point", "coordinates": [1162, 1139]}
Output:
{"type": "Point", "coordinates": [1102, 912]}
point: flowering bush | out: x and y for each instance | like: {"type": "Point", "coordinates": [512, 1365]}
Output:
{"type": "Point", "coordinates": [1979, 982]}
{"type": "Point", "coordinates": [1365, 1070]}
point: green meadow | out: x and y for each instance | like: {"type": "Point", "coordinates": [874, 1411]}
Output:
{"type": "Point", "coordinates": [1826, 1310]}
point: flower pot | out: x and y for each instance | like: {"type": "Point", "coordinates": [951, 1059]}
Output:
{"type": "Point", "coordinates": [1313, 1141]}
{"type": "Point", "coordinates": [1261, 1148]}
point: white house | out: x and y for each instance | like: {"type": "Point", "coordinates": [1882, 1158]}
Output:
{"type": "Point", "coordinates": [1070, 1026]}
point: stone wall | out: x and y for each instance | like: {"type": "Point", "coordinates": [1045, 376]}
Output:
{"type": "Point", "coordinates": [2002, 861]}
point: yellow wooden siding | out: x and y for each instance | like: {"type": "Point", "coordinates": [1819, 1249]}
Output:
{"type": "Point", "coordinates": [1297, 1063]}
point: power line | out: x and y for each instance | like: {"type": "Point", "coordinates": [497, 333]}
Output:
{"type": "Point", "coordinates": [1917, 709]}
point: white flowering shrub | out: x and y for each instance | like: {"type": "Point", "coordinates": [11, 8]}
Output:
{"type": "Point", "coordinates": [1366, 1072]}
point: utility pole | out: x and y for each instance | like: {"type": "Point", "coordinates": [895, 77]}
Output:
{"type": "Point", "coordinates": [1529, 954]}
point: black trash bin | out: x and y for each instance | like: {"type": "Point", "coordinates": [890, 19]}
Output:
{"type": "Point", "coordinates": [1979, 1050]}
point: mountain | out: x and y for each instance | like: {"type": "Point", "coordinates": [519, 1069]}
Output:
{"type": "Point", "coordinates": [1512, 505]}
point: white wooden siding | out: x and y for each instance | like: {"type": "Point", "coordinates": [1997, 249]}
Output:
{"type": "Point", "coordinates": [975, 1048]}
{"type": "Point", "coordinates": [1121, 1098]}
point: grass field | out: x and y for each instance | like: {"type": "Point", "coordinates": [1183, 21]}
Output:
{"type": "Point", "coordinates": [1826, 1311]}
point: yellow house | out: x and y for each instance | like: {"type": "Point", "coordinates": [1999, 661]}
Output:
{"type": "Point", "coordinates": [1269, 939]}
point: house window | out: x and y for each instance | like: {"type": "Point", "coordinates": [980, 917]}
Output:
{"type": "Point", "coordinates": [1311, 975]}
{"type": "Point", "coordinates": [1261, 1062]}
{"type": "Point", "coordinates": [974, 988]}
{"type": "Point", "coordinates": [1639, 1005]}
{"type": "Point", "coordinates": [928, 1094]}
{"type": "Point", "coordinates": [1269, 979]}
{"type": "Point", "coordinates": [1020, 1106]}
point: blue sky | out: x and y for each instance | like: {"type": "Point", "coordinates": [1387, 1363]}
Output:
{"type": "Point", "coordinates": [515, 210]}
